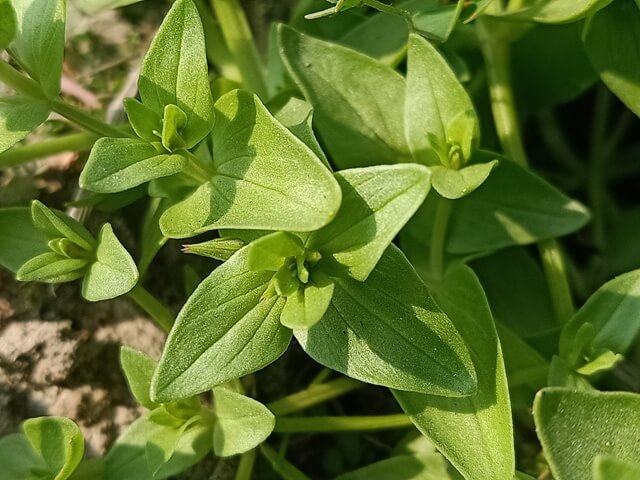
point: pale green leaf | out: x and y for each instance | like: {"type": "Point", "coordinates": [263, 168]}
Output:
{"type": "Point", "coordinates": [439, 114]}
{"type": "Point", "coordinates": [402, 467]}
{"type": "Point", "coordinates": [58, 224]}
{"type": "Point", "coordinates": [265, 178]}
{"type": "Point", "coordinates": [144, 120]}
{"type": "Point", "coordinates": [219, 248]}
{"type": "Point", "coordinates": [558, 11]}
{"type": "Point", "coordinates": [138, 369]}
{"type": "Point", "coordinates": [7, 23]}
{"type": "Point", "coordinates": [612, 41]}
{"type": "Point", "coordinates": [117, 164]}
{"type": "Point", "coordinates": [58, 441]}
{"type": "Point", "coordinates": [18, 117]}
{"type": "Point", "coordinates": [576, 426]}
{"type": "Point", "coordinates": [377, 202]}
{"type": "Point", "coordinates": [614, 313]}
{"type": "Point", "coordinates": [308, 305]}
{"type": "Point", "coordinates": [610, 468]}
{"type": "Point", "coordinates": [269, 252]}
{"type": "Point", "coordinates": [358, 102]}
{"type": "Point", "coordinates": [51, 267]}
{"type": "Point", "coordinates": [242, 423]}
{"type": "Point", "coordinates": [20, 240]}
{"type": "Point", "coordinates": [454, 184]}
{"type": "Point", "coordinates": [39, 41]}
{"type": "Point", "coordinates": [175, 72]}
{"type": "Point", "coordinates": [113, 272]}
{"type": "Point", "coordinates": [388, 331]}
{"type": "Point", "coordinates": [224, 331]}
{"type": "Point", "coordinates": [475, 433]}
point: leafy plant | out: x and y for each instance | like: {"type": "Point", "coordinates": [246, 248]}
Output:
{"type": "Point", "coordinates": [399, 248]}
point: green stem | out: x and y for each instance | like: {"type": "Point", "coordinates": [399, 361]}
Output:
{"type": "Point", "coordinates": [86, 121]}
{"type": "Point", "coordinates": [239, 40]}
{"type": "Point", "coordinates": [439, 236]}
{"type": "Point", "coordinates": [245, 466]}
{"type": "Point", "coordinates": [496, 55]}
{"type": "Point", "coordinates": [19, 82]}
{"type": "Point", "coordinates": [281, 465]}
{"type": "Point", "coordinates": [152, 306]}
{"type": "Point", "coordinates": [75, 142]}
{"type": "Point", "coordinates": [340, 424]}
{"type": "Point", "coordinates": [313, 395]}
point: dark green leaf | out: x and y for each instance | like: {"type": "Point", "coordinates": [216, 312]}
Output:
{"type": "Point", "coordinates": [358, 102]}
{"type": "Point", "coordinates": [224, 331]}
{"type": "Point", "coordinates": [388, 331]}
{"type": "Point", "coordinates": [58, 441]}
{"type": "Point", "coordinates": [174, 72]}
{"type": "Point", "coordinates": [7, 23]}
{"type": "Point", "coordinates": [18, 459]}
{"type": "Point", "coordinates": [39, 41]}
{"type": "Point", "coordinates": [118, 164]}
{"type": "Point", "coordinates": [242, 423]}
{"type": "Point", "coordinates": [258, 162]}
{"type": "Point", "coordinates": [20, 240]}
{"type": "Point", "coordinates": [144, 120]}
{"type": "Point", "coordinates": [480, 422]}
{"type": "Point", "coordinates": [138, 369]}
{"type": "Point", "coordinates": [18, 117]}
{"type": "Point", "coordinates": [377, 202]}
{"type": "Point", "coordinates": [113, 272]}
{"type": "Point", "coordinates": [612, 41]}
{"type": "Point", "coordinates": [438, 23]}
{"type": "Point", "coordinates": [576, 426]}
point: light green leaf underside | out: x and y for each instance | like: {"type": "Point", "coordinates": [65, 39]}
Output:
{"type": "Point", "coordinates": [388, 331]}
{"type": "Point", "coordinates": [377, 202]}
{"type": "Point", "coordinates": [39, 40]}
{"type": "Point", "coordinates": [118, 164]}
{"type": "Point", "coordinates": [266, 178]}
{"type": "Point", "coordinates": [223, 332]}
{"type": "Point", "coordinates": [576, 426]}
{"type": "Point", "coordinates": [175, 72]}
{"type": "Point", "coordinates": [475, 433]}
{"type": "Point", "coordinates": [58, 441]}
{"type": "Point", "coordinates": [242, 423]}
{"type": "Point", "coordinates": [18, 117]}
{"type": "Point", "coordinates": [113, 273]}
{"type": "Point", "coordinates": [358, 102]}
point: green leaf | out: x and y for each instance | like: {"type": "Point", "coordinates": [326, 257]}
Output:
{"type": "Point", "coordinates": [39, 41]}
{"type": "Point", "coordinates": [610, 468]}
{"type": "Point", "coordinates": [377, 202]}
{"type": "Point", "coordinates": [440, 121]}
{"type": "Point", "coordinates": [118, 164]}
{"type": "Point", "coordinates": [308, 305]}
{"type": "Point", "coordinates": [138, 369]}
{"type": "Point", "coordinates": [513, 206]}
{"type": "Point", "coordinates": [57, 224]}
{"type": "Point", "coordinates": [219, 248]}
{"type": "Point", "coordinates": [613, 312]}
{"type": "Point", "coordinates": [113, 273]}
{"type": "Point", "coordinates": [297, 116]}
{"type": "Point", "coordinates": [270, 251]}
{"type": "Point", "coordinates": [7, 23]}
{"type": "Point", "coordinates": [20, 240]}
{"type": "Point", "coordinates": [258, 162]}
{"type": "Point", "coordinates": [454, 184]}
{"type": "Point", "coordinates": [576, 426]}
{"type": "Point", "coordinates": [388, 331]}
{"type": "Point", "coordinates": [558, 11]}
{"type": "Point", "coordinates": [58, 441]}
{"type": "Point", "coordinates": [550, 48]}
{"type": "Point", "coordinates": [242, 423]}
{"type": "Point", "coordinates": [175, 72]}
{"type": "Point", "coordinates": [438, 23]}
{"type": "Point", "coordinates": [51, 267]}
{"type": "Point", "coordinates": [612, 41]}
{"type": "Point", "coordinates": [480, 422]}
{"type": "Point", "coordinates": [18, 117]}
{"type": "Point", "coordinates": [358, 102]}
{"type": "Point", "coordinates": [18, 459]}
{"type": "Point", "coordinates": [144, 120]}
{"type": "Point", "coordinates": [224, 331]}
{"type": "Point", "coordinates": [402, 467]}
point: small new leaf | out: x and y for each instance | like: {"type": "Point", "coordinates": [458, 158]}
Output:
{"type": "Point", "coordinates": [113, 272]}
{"type": "Point", "coordinates": [51, 267]}
{"type": "Point", "coordinates": [138, 369]}
{"type": "Point", "coordinates": [270, 251]}
{"type": "Point", "coordinates": [454, 184]}
{"type": "Point", "coordinates": [57, 224]}
{"type": "Point", "coordinates": [308, 304]}
{"type": "Point", "coordinates": [242, 423]}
